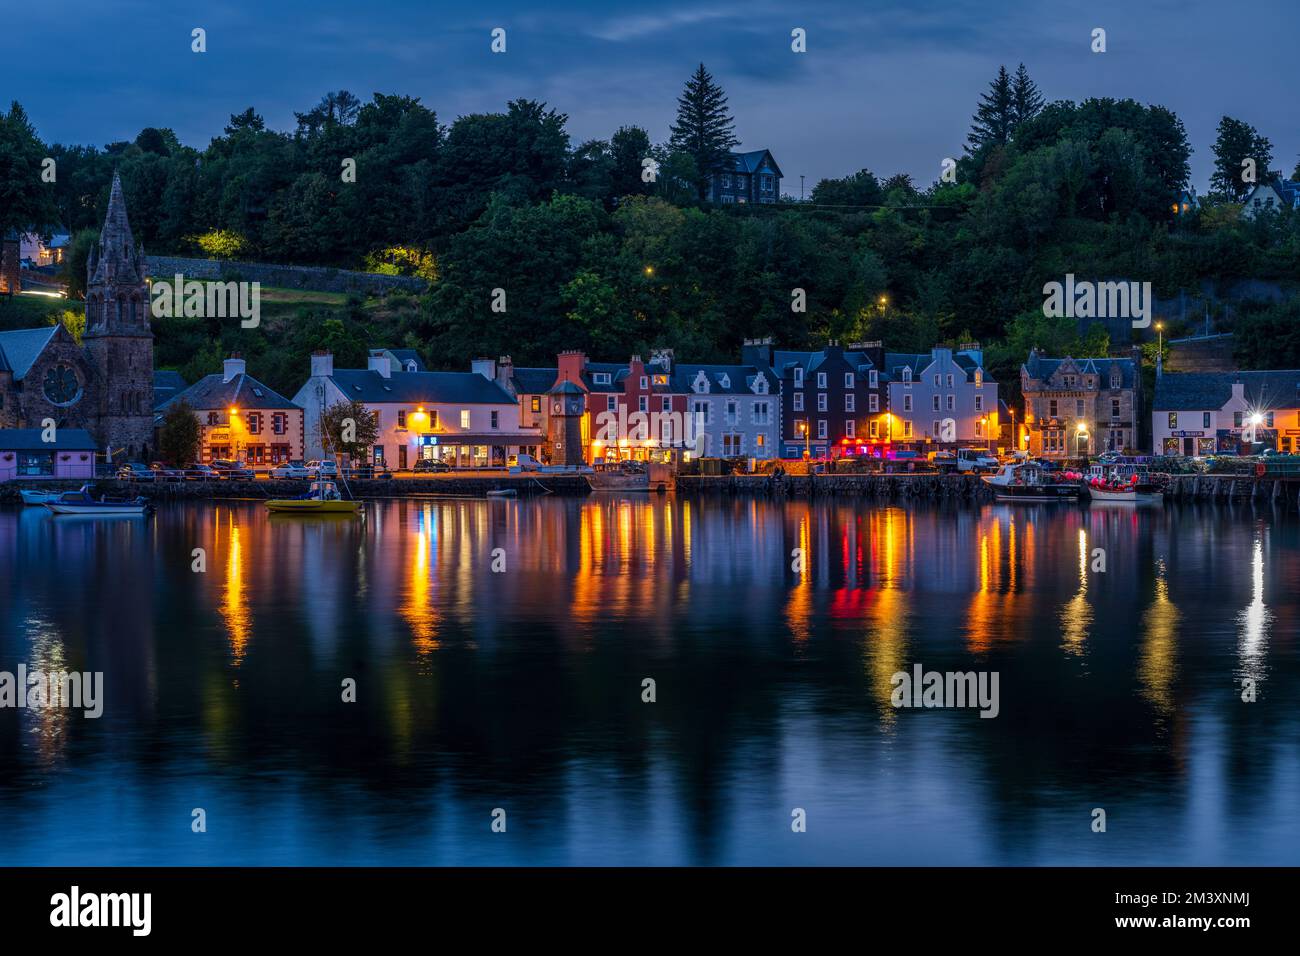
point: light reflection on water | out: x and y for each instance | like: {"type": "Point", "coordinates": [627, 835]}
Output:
{"type": "Point", "coordinates": [521, 687]}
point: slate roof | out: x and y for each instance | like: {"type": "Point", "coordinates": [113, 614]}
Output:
{"type": "Point", "coordinates": [167, 384]}
{"type": "Point", "coordinates": [534, 381]}
{"type": "Point", "coordinates": [456, 388]}
{"type": "Point", "coordinates": [748, 162]}
{"type": "Point", "coordinates": [20, 348]}
{"type": "Point", "coordinates": [784, 361]}
{"type": "Point", "coordinates": [565, 387]}
{"type": "Point", "coordinates": [407, 355]}
{"type": "Point", "coordinates": [1204, 391]}
{"type": "Point", "coordinates": [1042, 368]}
{"type": "Point", "coordinates": [29, 439]}
{"type": "Point", "coordinates": [740, 379]}
{"type": "Point", "coordinates": [242, 391]}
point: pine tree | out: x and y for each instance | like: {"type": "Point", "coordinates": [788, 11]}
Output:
{"type": "Point", "coordinates": [704, 130]}
{"type": "Point", "coordinates": [1026, 101]}
{"type": "Point", "coordinates": [995, 118]}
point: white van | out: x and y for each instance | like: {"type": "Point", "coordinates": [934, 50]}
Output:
{"type": "Point", "coordinates": [518, 464]}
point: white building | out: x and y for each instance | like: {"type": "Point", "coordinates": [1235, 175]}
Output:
{"type": "Point", "coordinates": [463, 418]}
{"type": "Point", "coordinates": [736, 409]}
{"type": "Point", "coordinates": [1207, 413]}
{"type": "Point", "coordinates": [942, 397]}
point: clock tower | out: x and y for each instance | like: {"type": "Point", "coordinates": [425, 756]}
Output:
{"type": "Point", "coordinates": [568, 403]}
{"type": "Point", "coordinates": [118, 339]}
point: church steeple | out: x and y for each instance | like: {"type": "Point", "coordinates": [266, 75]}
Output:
{"type": "Point", "coordinates": [117, 259]}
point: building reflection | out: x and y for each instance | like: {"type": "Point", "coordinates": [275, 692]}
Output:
{"type": "Point", "coordinates": [1158, 661]}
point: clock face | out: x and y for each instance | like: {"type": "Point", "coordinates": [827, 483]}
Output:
{"type": "Point", "coordinates": [61, 386]}
{"type": "Point", "coordinates": [556, 408]}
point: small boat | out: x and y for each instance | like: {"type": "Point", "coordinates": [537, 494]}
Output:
{"type": "Point", "coordinates": [83, 503]}
{"type": "Point", "coordinates": [39, 497]}
{"type": "Point", "coordinates": [1137, 488]}
{"type": "Point", "coordinates": [1029, 481]}
{"type": "Point", "coordinates": [620, 476]}
{"type": "Point", "coordinates": [503, 493]}
{"type": "Point", "coordinates": [322, 498]}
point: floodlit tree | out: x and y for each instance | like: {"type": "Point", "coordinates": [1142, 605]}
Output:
{"type": "Point", "coordinates": [348, 428]}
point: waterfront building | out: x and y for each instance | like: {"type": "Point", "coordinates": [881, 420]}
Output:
{"type": "Point", "coordinates": [1078, 407]}
{"type": "Point", "coordinates": [25, 454]}
{"type": "Point", "coordinates": [735, 408]}
{"type": "Point", "coordinates": [241, 419]}
{"type": "Point", "coordinates": [833, 401]}
{"type": "Point", "coordinates": [464, 418]}
{"type": "Point", "coordinates": [104, 384]}
{"type": "Point", "coordinates": [942, 398]}
{"type": "Point", "coordinates": [1207, 413]}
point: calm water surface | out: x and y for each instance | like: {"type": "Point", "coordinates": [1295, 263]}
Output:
{"type": "Point", "coordinates": [522, 689]}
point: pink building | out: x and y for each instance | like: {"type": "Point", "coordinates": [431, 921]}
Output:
{"type": "Point", "coordinates": [23, 454]}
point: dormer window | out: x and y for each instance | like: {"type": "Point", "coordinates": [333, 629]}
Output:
{"type": "Point", "coordinates": [873, 378]}
{"type": "Point", "coordinates": [724, 381]}
{"type": "Point", "coordinates": [979, 378]}
{"type": "Point", "coordinates": [600, 378]}
{"type": "Point", "coordinates": [907, 374]}
{"type": "Point", "coordinates": [798, 377]}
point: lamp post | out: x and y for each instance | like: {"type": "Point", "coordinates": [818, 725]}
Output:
{"type": "Point", "coordinates": [1160, 340]}
{"type": "Point", "coordinates": [1081, 438]}
{"type": "Point", "coordinates": [807, 441]}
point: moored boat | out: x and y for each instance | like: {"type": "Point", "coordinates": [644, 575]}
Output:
{"type": "Point", "coordinates": [1029, 481]}
{"type": "Point", "coordinates": [620, 476]}
{"type": "Point", "coordinates": [83, 503]}
{"type": "Point", "coordinates": [322, 498]}
{"type": "Point", "coordinates": [1134, 488]}
{"type": "Point", "coordinates": [39, 497]}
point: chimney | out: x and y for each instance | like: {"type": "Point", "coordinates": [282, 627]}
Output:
{"type": "Point", "coordinates": [972, 349]}
{"type": "Point", "coordinates": [506, 373]}
{"type": "Point", "coordinates": [381, 363]}
{"type": "Point", "coordinates": [322, 364]}
{"type": "Point", "coordinates": [571, 364]}
{"type": "Point", "coordinates": [662, 358]}
{"type": "Point", "coordinates": [485, 367]}
{"type": "Point", "coordinates": [232, 366]}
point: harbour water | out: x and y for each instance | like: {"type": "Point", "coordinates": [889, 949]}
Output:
{"type": "Point", "coordinates": [771, 631]}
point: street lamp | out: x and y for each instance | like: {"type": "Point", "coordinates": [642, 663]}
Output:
{"type": "Point", "coordinates": [1081, 438]}
{"type": "Point", "coordinates": [807, 441]}
{"type": "Point", "coordinates": [1160, 339]}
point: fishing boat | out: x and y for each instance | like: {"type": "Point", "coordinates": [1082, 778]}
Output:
{"type": "Point", "coordinates": [322, 498]}
{"type": "Point", "coordinates": [1136, 487]}
{"type": "Point", "coordinates": [1029, 481]}
{"type": "Point", "coordinates": [83, 503]}
{"type": "Point", "coordinates": [620, 476]}
{"type": "Point", "coordinates": [39, 497]}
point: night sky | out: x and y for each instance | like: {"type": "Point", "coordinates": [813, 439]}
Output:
{"type": "Point", "coordinates": [886, 85]}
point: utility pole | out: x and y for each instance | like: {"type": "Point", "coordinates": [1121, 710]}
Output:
{"type": "Point", "coordinates": [801, 187]}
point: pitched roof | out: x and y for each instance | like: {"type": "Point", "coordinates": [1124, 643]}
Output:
{"type": "Point", "coordinates": [29, 439]}
{"type": "Point", "coordinates": [1204, 391]}
{"type": "Point", "coordinates": [468, 388]}
{"type": "Point", "coordinates": [243, 391]}
{"type": "Point", "coordinates": [167, 384]}
{"type": "Point", "coordinates": [1042, 368]}
{"type": "Point", "coordinates": [749, 162]}
{"type": "Point", "coordinates": [406, 356]}
{"type": "Point", "coordinates": [533, 381]}
{"type": "Point", "coordinates": [739, 378]}
{"type": "Point", "coordinates": [20, 348]}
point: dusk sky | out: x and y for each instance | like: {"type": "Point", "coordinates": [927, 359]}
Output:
{"type": "Point", "coordinates": [885, 85]}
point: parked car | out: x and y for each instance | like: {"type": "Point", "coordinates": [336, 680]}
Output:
{"type": "Point", "coordinates": [323, 469]}
{"type": "Point", "coordinates": [517, 464]}
{"type": "Point", "coordinates": [164, 472]}
{"type": "Point", "coordinates": [198, 471]}
{"type": "Point", "coordinates": [975, 460]}
{"type": "Point", "coordinates": [136, 471]}
{"type": "Point", "coordinates": [430, 465]}
{"type": "Point", "coordinates": [367, 471]}
{"type": "Point", "coordinates": [232, 470]}
{"type": "Point", "coordinates": [296, 470]}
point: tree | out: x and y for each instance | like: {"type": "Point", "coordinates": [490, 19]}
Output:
{"type": "Point", "coordinates": [348, 420]}
{"type": "Point", "coordinates": [1026, 101]}
{"type": "Point", "coordinates": [860, 189]}
{"type": "Point", "coordinates": [1238, 141]}
{"type": "Point", "coordinates": [995, 118]}
{"type": "Point", "coordinates": [178, 436]}
{"type": "Point", "coordinates": [704, 130]}
{"type": "Point", "coordinates": [629, 148]}
{"type": "Point", "coordinates": [73, 272]}
{"type": "Point", "coordinates": [25, 202]}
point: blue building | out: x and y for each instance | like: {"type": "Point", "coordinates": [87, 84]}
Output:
{"type": "Point", "coordinates": [753, 177]}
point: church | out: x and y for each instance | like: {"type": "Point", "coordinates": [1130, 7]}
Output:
{"type": "Point", "coordinates": [105, 384]}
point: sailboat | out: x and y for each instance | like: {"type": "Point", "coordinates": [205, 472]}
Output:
{"type": "Point", "coordinates": [322, 498]}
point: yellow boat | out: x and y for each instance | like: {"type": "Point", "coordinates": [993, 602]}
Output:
{"type": "Point", "coordinates": [323, 498]}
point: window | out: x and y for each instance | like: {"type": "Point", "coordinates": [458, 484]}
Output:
{"type": "Point", "coordinates": [821, 401]}
{"type": "Point", "coordinates": [979, 403]}
{"type": "Point", "coordinates": [760, 441]}
{"type": "Point", "coordinates": [979, 378]}
{"type": "Point", "coordinates": [611, 403]}
{"type": "Point", "coordinates": [1205, 420]}
{"type": "Point", "coordinates": [464, 418]}
{"type": "Point", "coordinates": [798, 401]}
{"type": "Point", "coordinates": [1051, 409]}
{"type": "Point", "coordinates": [934, 399]}
{"type": "Point", "coordinates": [1237, 419]}
{"type": "Point", "coordinates": [663, 379]}
{"type": "Point", "coordinates": [643, 403]}
{"type": "Point", "coordinates": [433, 420]}
{"type": "Point", "coordinates": [849, 426]}
{"type": "Point", "coordinates": [950, 381]}
{"type": "Point", "coordinates": [255, 423]}
{"type": "Point", "coordinates": [937, 426]}
{"type": "Point", "coordinates": [873, 402]}
{"type": "Point", "coordinates": [401, 418]}
{"type": "Point", "coordinates": [798, 377]}
{"type": "Point", "coordinates": [496, 419]}
{"type": "Point", "coordinates": [821, 379]}
{"type": "Point", "coordinates": [873, 428]}
{"type": "Point", "coordinates": [537, 404]}
{"type": "Point", "coordinates": [645, 381]}
{"type": "Point", "coordinates": [379, 419]}
{"type": "Point", "coordinates": [907, 403]}
{"type": "Point", "coordinates": [1114, 410]}
{"type": "Point", "coordinates": [761, 413]}
{"type": "Point", "coordinates": [666, 405]}
{"type": "Point", "coordinates": [936, 380]}
{"type": "Point", "coordinates": [1173, 419]}
{"type": "Point", "coordinates": [949, 403]}
{"type": "Point", "coordinates": [732, 411]}
{"type": "Point", "coordinates": [279, 423]}
{"type": "Point", "coordinates": [701, 411]}
{"type": "Point", "coordinates": [821, 428]}
{"type": "Point", "coordinates": [907, 375]}
{"type": "Point", "coordinates": [849, 402]}
{"type": "Point", "coordinates": [1078, 408]}
{"type": "Point", "coordinates": [600, 378]}
{"type": "Point", "coordinates": [907, 429]}
{"type": "Point", "coordinates": [873, 378]}
{"type": "Point", "coordinates": [979, 428]}
{"type": "Point", "coordinates": [212, 418]}
{"type": "Point", "coordinates": [848, 379]}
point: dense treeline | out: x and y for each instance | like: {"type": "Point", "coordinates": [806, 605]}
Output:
{"type": "Point", "coordinates": [592, 251]}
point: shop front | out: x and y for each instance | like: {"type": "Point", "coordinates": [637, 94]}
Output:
{"type": "Point", "coordinates": [461, 450]}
